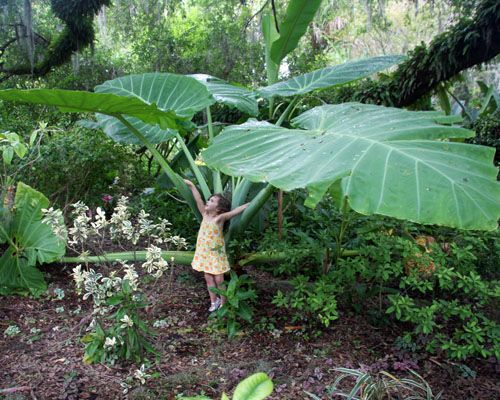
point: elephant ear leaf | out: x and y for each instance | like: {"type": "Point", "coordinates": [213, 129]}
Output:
{"type": "Point", "coordinates": [230, 95]}
{"type": "Point", "coordinates": [392, 162]}
{"type": "Point", "coordinates": [256, 387]}
{"type": "Point", "coordinates": [336, 75]}
{"type": "Point", "coordinates": [121, 134]}
{"type": "Point", "coordinates": [104, 103]}
{"type": "Point", "coordinates": [30, 242]}
{"type": "Point", "coordinates": [180, 94]}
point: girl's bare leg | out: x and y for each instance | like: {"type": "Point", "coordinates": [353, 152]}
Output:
{"type": "Point", "coordinates": [219, 282]}
{"type": "Point", "coordinates": [210, 279]}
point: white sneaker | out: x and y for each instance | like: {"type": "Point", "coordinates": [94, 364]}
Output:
{"type": "Point", "coordinates": [215, 306]}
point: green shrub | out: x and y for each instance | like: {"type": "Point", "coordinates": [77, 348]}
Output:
{"type": "Point", "coordinates": [310, 302]}
{"type": "Point", "coordinates": [239, 295]}
{"type": "Point", "coordinates": [82, 165]}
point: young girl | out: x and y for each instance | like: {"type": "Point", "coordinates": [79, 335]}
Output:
{"type": "Point", "coordinates": [210, 255]}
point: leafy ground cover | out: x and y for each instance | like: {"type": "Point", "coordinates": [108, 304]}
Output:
{"type": "Point", "coordinates": [46, 355]}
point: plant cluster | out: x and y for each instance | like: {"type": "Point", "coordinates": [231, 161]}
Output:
{"type": "Point", "coordinates": [239, 295]}
{"type": "Point", "coordinates": [310, 302]}
{"type": "Point", "coordinates": [380, 386]}
{"type": "Point", "coordinates": [118, 330]}
{"type": "Point", "coordinates": [438, 291]}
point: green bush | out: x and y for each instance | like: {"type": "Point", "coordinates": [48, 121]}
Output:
{"type": "Point", "coordinates": [79, 164]}
{"type": "Point", "coordinates": [310, 302]}
{"type": "Point", "coordinates": [239, 296]}
{"type": "Point", "coordinates": [440, 293]}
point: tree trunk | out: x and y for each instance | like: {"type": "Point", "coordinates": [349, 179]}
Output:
{"type": "Point", "coordinates": [30, 41]}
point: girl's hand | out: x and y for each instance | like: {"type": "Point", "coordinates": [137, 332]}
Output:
{"type": "Point", "coordinates": [188, 182]}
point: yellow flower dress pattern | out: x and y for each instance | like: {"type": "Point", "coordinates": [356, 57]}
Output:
{"type": "Point", "coordinates": [210, 255]}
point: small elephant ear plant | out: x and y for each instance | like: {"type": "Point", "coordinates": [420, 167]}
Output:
{"type": "Point", "coordinates": [256, 387]}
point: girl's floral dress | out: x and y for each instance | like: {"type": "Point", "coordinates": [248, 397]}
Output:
{"type": "Point", "coordinates": [210, 255]}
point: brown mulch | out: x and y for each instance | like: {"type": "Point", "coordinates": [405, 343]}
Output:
{"type": "Point", "coordinates": [195, 358]}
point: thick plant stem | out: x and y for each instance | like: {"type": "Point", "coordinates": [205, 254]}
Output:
{"type": "Point", "coordinates": [174, 177]}
{"type": "Point", "coordinates": [217, 183]}
{"type": "Point", "coordinates": [196, 171]}
{"type": "Point", "coordinates": [270, 257]}
{"type": "Point", "coordinates": [180, 257]}
{"type": "Point", "coordinates": [255, 205]}
{"type": "Point", "coordinates": [287, 111]}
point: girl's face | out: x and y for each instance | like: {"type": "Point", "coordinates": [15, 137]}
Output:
{"type": "Point", "coordinates": [212, 205]}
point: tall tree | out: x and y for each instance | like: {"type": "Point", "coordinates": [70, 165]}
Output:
{"type": "Point", "coordinates": [78, 33]}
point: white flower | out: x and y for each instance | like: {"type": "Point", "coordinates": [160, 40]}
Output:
{"type": "Point", "coordinates": [127, 322]}
{"type": "Point", "coordinates": [109, 342]}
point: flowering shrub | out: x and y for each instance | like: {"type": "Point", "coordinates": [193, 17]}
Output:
{"type": "Point", "coordinates": [117, 330]}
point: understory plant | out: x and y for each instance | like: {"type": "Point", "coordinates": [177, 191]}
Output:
{"type": "Point", "coordinates": [239, 295]}
{"type": "Point", "coordinates": [435, 287]}
{"type": "Point", "coordinates": [310, 302]}
{"type": "Point", "coordinates": [118, 330]}
{"type": "Point", "coordinates": [380, 386]}
{"type": "Point", "coordinates": [255, 387]}
{"type": "Point", "coordinates": [26, 241]}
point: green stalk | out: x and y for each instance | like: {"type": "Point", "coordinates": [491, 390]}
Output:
{"type": "Point", "coordinates": [180, 257]}
{"type": "Point", "coordinates": [174, 177]}
{"type": "Point", "coordinates": [217, 184]}
{"type": "Point", "coordinates": [201, 180]}
{"type": "Point", "coordinates": [7, 238]}
{"type": "Point", "coordinates": [287, 111]}
{"type": "Point", "coordinates": [280, 256]}
{"type": "Point", "coordinates": [255, 205]}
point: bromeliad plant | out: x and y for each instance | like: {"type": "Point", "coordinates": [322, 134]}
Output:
{"type": "Point", "coordinates": [372, 159]}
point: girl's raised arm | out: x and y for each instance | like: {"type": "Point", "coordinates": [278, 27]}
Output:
{"type": "Point", "coordinates": [199, 201]}
{"type": "Point", "coordinates": [230, 214]}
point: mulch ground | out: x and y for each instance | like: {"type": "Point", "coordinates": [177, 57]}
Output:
{"type": "Point", "coordinates": [196, 358]}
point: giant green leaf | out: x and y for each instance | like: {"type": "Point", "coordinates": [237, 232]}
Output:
{"type": "Point", "coordinates": [182, 94]}
{"type": "Point", "coordinates": [299, 14]}
{"type": "Point", "coordinates": [393, 162]}
{"type": "Point", "coordinates": [121, 134]}
{"type": "Point", "coordinates": [330, 76]}
{"type": "Point", "coordinates": [225, 93]}
{"type": "Point", "coordinates": [104, 103]}
{"type": "Point", "coordinates": [30, 242]}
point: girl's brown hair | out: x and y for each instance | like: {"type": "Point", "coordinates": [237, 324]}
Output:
{"type": "Point", "coordinates": [223, 204]}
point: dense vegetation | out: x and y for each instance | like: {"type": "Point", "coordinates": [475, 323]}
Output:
{"type": "Point", "coordinates": [367, 261]}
